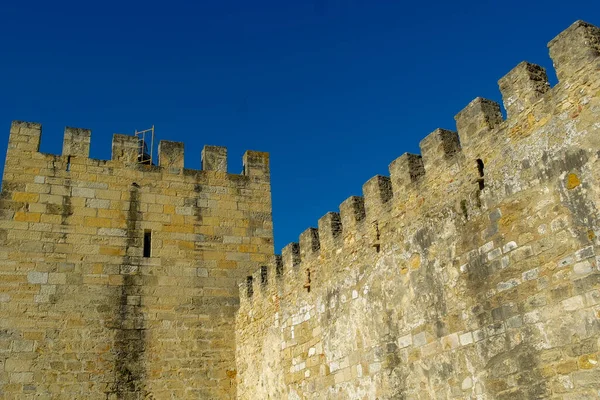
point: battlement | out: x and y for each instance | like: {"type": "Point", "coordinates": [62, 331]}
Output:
{"type": "Point", "coordinates": [455, 170]}
{"type": "Point", "coordinates": [469, 271]}
{"type": "Point", "coordinates": [25, 138]}
{"type": "Point", "coordinates": [120, 256]}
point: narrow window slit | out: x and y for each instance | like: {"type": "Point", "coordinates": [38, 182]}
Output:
{"type": "Point", "coordinates": [68, 163]}
{"type": "Point", "coordinates": [308, 280]}
{"type": "Point", "coordinates": [147, 243]}
{"type": "Point", "coordinates": [480, 167]}
{"type": "Point", "coordinates": [376, 243]}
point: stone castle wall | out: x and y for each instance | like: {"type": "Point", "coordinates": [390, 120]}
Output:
{"type": "Point", "coordinates": [84, 312]}
{"type": "Point", "coordinates": [470, 272]}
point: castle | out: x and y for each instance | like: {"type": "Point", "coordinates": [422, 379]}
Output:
{"type": "Point", "coordinates": [469, 272]}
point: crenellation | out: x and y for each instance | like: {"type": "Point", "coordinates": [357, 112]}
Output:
{"type": "Point", "coordinates": [438, 149]}
{"type": "Point", "coordinates": [125, 148]}
{"type": "Point", "coordinates": [377, 191]}
{"type": "Point", "coordinates": [470, 272]}
{"type": "Point", "coordinates": [256, 163]}
{"type": "Point", "coordinates": [290, 255]}
{"type": "Point", "coordinates": [352, 213]}
{"type": "Point", "coordinates": [76, 142]}
{"type": "Point", "coordinates": [214, 158]}
{"type": "Point", "coordinates": [405, 171]}
{"type": "Point", "coordinates": [474, 262]}
{"type": "Point", "coordinates": [475, 122]}
{"type": "Point", "coordinates": [276, 264]}
{"type": "Point", "coordinates": [129, 249]}
{"type": "Point", "coordinates": [523, 86]}
{"type": "Point", "coordinates": [309, 243]}
{"type": "Point", "coordinates": [330, 231]}
{"type": "Point", "coordinates": [24, 136]}
{"type": "Point", "coordinates": [171, 156]}
{"type": "Point", "coordinates": [575, 50]}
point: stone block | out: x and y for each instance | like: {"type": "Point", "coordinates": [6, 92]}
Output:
{"type": "Point", "coordinates": [35, 277]}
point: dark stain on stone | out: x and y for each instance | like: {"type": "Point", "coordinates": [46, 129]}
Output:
{"type": "Point", "coordinates": [433, 285]}
{"type": "Point", "coordinates": [583, 209]}
{"type": "Point", "coordinates": [440, 328]}
{"type": "Point", "coordinates": [424, 238]}
{"type": "Point", "coordinates": [332, 294]}
{"type": "Point", "coordinates": [587, 283]}
{"type": "Point", "coordinates": [478, 273]}
{"type": "Point", "coordinates": [572, 160]}
{"type": "Point", "coordinates": [198, 188]}
{"type": "Point", "coordinates": [241, 180]}
{"type": "Point", "coordinates": [521, 363]}
{"type": "Point", "coordinates": [66, 209]}
{"type": "Point", "coordinates": [396, 370]}
{"type": "Point", "coordinates": [130, 334]}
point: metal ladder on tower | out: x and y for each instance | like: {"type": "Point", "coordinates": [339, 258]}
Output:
{"type": "Point", "coordinates": [145, 153]}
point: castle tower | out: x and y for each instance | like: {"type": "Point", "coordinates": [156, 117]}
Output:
{"type": "Point", "coordinates": [119, 280]}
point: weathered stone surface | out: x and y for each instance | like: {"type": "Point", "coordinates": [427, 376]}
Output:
{"type": "Point", "coordinates": [470, 273]}
{"type": "Point", "coordinates": [88, 312]}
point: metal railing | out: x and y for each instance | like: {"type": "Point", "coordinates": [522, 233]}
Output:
{"type": "Point", "coordinates": [145, 154]}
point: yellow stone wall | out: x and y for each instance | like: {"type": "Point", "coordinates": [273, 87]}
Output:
{"type": "Point", "coordinates": [83, 313]}
{"type": "Point", "coordinates": [471, 272]}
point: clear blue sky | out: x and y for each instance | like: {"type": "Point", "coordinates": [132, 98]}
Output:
{"type": "Point", "coordinates": [333, 89]}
